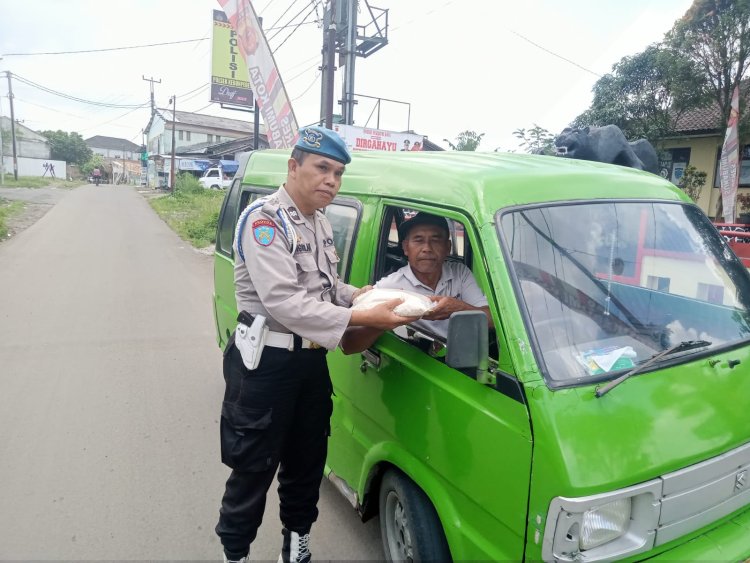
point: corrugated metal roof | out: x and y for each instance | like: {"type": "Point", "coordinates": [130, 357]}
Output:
{"type": "Point", "coordinates": [112, 143]}
{"type": "Point", "coordinates": [211, 121]}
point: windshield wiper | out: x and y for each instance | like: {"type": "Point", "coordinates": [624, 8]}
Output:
{"type": "Point", "coordinates": [683, 346]}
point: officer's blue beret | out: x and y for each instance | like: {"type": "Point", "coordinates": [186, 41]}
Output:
{"type": "Point", "coordinates": [322, 141]}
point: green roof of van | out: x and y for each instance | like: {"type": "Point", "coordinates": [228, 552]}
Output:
{"type": "Point", "coordinates": [489, 181]}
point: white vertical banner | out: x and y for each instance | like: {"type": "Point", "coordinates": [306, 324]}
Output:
{"type": "Point", "coordinates": [730, 159]}
{"type": "Point", "coordinates": [265, 80]}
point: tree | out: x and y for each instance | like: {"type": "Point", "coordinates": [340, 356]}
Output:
{"type": "Point", "coordinates": [692, 182]}
{"type": "Point", "coordinates": [536, 140]}
{"type": "Point", "coordinates": [645, 93]}
{"type": "Point", "coordinates": [69, 147]}
{"type": "Point", "coordinates": [715, 35]}
{"type": "Point", "coordinates": [95, 161]}
{"type": "Point", "coordinates": [466, 141]}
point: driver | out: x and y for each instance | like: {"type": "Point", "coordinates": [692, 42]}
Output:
{"type": "Point", "coordinates": [425, 240]}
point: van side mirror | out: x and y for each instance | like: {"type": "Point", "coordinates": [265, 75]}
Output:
{"type": "Point", "coordinates": [468, 344]}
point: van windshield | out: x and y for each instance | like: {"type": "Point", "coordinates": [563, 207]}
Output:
{"type": "Point", "coordinates": [606, 286]}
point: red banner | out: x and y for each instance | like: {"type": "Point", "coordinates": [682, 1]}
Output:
{"type": "Point", "coordinates": [730, 159]}
{"type": "Point", "coordinates": [265, 80]}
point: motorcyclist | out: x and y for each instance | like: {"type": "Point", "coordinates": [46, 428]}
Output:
{"type": "Point", "coordinates": [97, 174]}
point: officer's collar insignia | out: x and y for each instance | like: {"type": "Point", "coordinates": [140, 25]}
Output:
{"type": "Point", "coordinates": [264, 231]}
{"type": "Point", "coordinates": [311, 138]}
{"type": "Point", "coordinates": [293, 213]}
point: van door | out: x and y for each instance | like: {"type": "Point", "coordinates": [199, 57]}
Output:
{"type": "Point", "coordinates": [465, 444]}
{"type": "Point", "coordinates": [225, 304]}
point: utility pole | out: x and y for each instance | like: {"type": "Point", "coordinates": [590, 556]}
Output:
{"type": "Point", "coordinates": [2, 162]}
{"type": "Point", "coordinates": [173, 101]}
{"type": "Point", "coordinates": [350, 56]}
{"type": "Point", "coordinates": [328, 68]}
{"type": "Point", "coordinates": [151, 80]}
{"type": "Point", "coordinates": [12, 126]}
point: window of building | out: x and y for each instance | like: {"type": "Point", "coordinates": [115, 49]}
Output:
{"type": "Point", "coordinates": [210, 138]}
{"type": "Point", "coordinates": [744, 168]}
{"type": "Point", "coordinates": [658, 283]}
{"type": "Point", "coordinates": [710, 292]}
{"type": "Point", "coordinates": [218, 138]}
{"type": "Point", "coordinates": [180, 134]}
{"type": "Point", "coordinates": [187, 135]}
{"type": "Point", "coordinates": [672, 163]}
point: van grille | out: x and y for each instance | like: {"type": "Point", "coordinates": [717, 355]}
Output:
{"type": "Point", "coordinates": [702, 493]}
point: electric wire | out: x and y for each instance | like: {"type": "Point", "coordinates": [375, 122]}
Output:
{"type": "Point", "coordinates": [76, 98]}
{"type": "Point", "coordinates": [295, 29]}
{"type": "Point", "coordinates": [285, 12]}
{"type": "Point", "coordinates": [553, 53]}
{"type": "Point", "coordinates": [315, 80]}
{"type": "Point", "coordinates": [105, 49]}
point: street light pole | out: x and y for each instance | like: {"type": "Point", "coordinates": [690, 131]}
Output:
{"type": "Point", "coordinates": [173, 101]}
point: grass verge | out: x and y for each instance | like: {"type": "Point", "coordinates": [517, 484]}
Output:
{"type": "Point", "coordinates": [8, 209]}
{"type": "Point", "coordinates": [38, 182]}
{"type": "Point", "coordinates": [192, 211]}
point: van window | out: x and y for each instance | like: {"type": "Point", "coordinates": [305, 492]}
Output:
{"type": "Point", "coordinates": [391, 258]}
{"type": "Point", "coordinates": [343, 218]}
{"type": "Point", "coordinates": [391, 255]}
{"type": "Point", "coordinates": [608, 285]}
{"type": "Point", "coordinates": [234, 203]}
{"type": "Point", "coordinates": [227, 220]}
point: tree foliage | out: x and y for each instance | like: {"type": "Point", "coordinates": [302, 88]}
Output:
{"type": "Point", "coordinates": [536, 140]}
{"type": "Point", "coordinates": [645, 93]}
{"type": "Point", "coordinates": [466, 141]}
{"type": "Point", "coordinates": [96, 161]}
{"type": "Point", "coordinates": [692, 182]}
{"type": "Point", "coordinates": [69, 147]}
{"type": "Point", "coordinates": [715, 35]}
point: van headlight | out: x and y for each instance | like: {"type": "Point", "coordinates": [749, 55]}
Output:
{"type": "Point", "coordinates": [607, 526]}
{"type": "Point", "coordinates": [604, 523]}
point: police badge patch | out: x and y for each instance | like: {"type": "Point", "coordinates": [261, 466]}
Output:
{"type": "Point", "coordinates": [264, 231]}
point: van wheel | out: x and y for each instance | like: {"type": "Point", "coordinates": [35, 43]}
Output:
{"type": "Point", "coordinates": [409, 525]}
{"type": "Point", "coordinates": [214, 187]}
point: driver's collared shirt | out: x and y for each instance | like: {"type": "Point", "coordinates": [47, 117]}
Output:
{"type": "Point", "coordinates": [456, 281]}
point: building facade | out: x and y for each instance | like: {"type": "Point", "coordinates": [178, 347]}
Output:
{"type": "Point", "coordinates": [192, 130]}
{"type": "Point", "coordinates": [697, 141]}
{"type": "Point", "coordinates": [113, 147]}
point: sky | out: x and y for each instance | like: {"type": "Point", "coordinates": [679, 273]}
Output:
{"type": "Point", "coordinates": [489, 66]}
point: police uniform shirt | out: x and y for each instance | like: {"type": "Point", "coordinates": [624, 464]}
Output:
{"type": "Point", "coordinates": [299, 292]}
{"type": "Point", "coordinates": [456, 281]}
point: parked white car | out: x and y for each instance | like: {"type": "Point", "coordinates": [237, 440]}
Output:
{"type": "Point", "coordinates": [215, 179]}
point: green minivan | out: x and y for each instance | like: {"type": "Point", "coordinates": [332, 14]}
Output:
{"type": "Point", "coordinates": [607, 414]}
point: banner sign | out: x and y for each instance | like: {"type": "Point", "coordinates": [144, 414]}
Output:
{"type": "Point", "coordinates": [265, 81]}
{"type": "Point", "coordinates": [365, 139]}
{"type": "Point", "coordinates": [229, 82]}
{"type": "Point", "coordinates": [730, 160]}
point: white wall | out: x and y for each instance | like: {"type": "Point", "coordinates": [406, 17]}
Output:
{"type": "Point", "coordinates": [35, 166]}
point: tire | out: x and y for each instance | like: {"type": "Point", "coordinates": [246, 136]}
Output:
{"type": "Point", "coordinates": [409, 526]}
{"type": "Point", "coordinates": [215, 187]}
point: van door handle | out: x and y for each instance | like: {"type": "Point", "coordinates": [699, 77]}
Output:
{"type": "Point", "coordinates": [370, 358]}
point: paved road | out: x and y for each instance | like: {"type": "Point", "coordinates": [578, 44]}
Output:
{"type": "Point", "coordinates": [110, 389]}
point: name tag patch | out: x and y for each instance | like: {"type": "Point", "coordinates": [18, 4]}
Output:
{"type": "Point", "coordinates": [264, 231]}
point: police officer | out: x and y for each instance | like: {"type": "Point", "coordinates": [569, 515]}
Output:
{"type": "Point", "coordinates": [276, 415]}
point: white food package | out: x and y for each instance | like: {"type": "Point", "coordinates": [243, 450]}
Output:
{"type": "Point", "coordinates": [414, 305]}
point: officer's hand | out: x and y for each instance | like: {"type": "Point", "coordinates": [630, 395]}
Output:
{"type": "Point", "coordinates": [360, 291]}
{"type": "Point", "coordinates": [444, 308]}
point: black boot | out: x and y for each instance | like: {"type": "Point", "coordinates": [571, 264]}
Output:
{"type": "Point", "coordinates": [295, 548]}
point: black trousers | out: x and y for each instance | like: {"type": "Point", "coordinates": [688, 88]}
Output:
{"type": "Point", "coordinates": [276, 416]}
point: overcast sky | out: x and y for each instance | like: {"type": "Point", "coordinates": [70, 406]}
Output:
{"type": "Point", "coordinates": [458, 64]}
